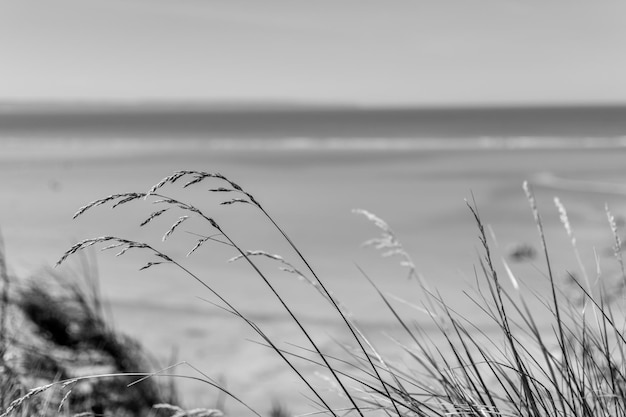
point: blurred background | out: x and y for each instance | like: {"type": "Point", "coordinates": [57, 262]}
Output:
{"type": "Point", "coordinates": [403, 108]}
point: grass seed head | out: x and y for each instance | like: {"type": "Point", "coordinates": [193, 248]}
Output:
{"type": "Point", "coordinates": [235, 186]}
{"type": "Point", "coordinates": [235, 200]}
{"type": "Point", "coordinates": [258, 253]}
{"type": "Point", "coordinates": [214, 224]}
{"type": "Point", "coordinates": [129, 197]}
{"type": "Point", "coordinates": [174, 226]}
{"type": "Point", "coordinates": [113, 246]}
{"type": "Point", "coordinates": [16, 404]}
{"type": "Point", "coordinates": [388, 241]}
{"type": "Point", "coordinates": [169, 179]}
{"type": "Point", "coordinates": [531, 199]}
{"type": "Point", "coordinates": [197, 245]}
{"type": "Point", "coordinates": [198, 177]}
{"type": "Point", "coordinates": [82, 245]}
{"type": "Point", "coordinates": [152, 216]}
{"type": "Point", "coordinates": [613, 225]}
{"type": "Point", "coordinates": [196, 412]}
{"type": "Point", "coordinates": [124, 198]}
{"type": "Point", "coordinates": [119, 242]}
{"type": "Point", "coordinates": [67, 394]}
{"type": "Point", "coordinates": [617, 248]}
{"type": "Point", "coordinates": [149, 264]}
{"type": "Point", "coordinates": [164, 256]}
{"type": "Point", "coordinates": [564, 219]}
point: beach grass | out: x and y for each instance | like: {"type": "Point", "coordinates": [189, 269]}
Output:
{"type": "Point", "coordinates": [56, 339]}
{"type": "Point", "coordinates": [555, 351]}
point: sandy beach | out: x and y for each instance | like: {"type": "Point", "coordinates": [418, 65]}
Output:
{"type": "Point", "coordinates": [311, 193]}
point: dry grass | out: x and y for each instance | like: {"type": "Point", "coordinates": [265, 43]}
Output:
{"type": "Point", "coordinates": [565, 362]}
{"type": "Point", "coordinates": [55, 334]}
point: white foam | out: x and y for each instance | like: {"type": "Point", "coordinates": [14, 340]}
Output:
{"type": "Point", "coordinates": [37, 148]}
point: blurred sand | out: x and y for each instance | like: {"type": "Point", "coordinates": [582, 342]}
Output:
{"type": "Point", "coordinates": [311, 194]}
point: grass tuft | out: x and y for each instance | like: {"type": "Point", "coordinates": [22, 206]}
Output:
{"type": "Point", "coordinates": [57, 333]}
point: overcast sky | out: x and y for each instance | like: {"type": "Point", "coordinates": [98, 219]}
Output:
{"type": "Point", "coordinates": [370, 52]}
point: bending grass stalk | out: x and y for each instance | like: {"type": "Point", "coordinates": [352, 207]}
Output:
{"type": "Point", "coordinates": [603, 347]}
{"type": "Point", "coordinates": [491, 272]}
{"type": "Point", "coordinates": [346, 320]}
{"type": "Point", "coordinates": [574, 397]}
{"type": "Point", "coordinates": [373, 389]}
{"type": "Point", "coordinates": [400, 388]}
{"type": "Point", "coordinates": [324, 289]}
{"type": "Point", "coordinates": [570, 233]}
{"type": "Point", "coordinates": [167, 259]}
{"type": "Point", "coordinates": [271, 287]}
{"type": "Point", "coordinates": [298, 323]}
{"type": "Point", "coordinates": [557, 310]}
{"type": "Point", "coordinates": [200, 176]}
{"type": "Point", "coordinates": [128, 244]}
{"type": "Point", "coordinates": [548, 357]}
{"type": "Point", "coordinates": [496, 368]}
{"type": "Point", "coordinates": [16, 404]}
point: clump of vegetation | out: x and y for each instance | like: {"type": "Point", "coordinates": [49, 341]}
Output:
{"type": "Point", "coordinates": [55, 335]}
{"type": "Point", "coordinates": [568, 361]}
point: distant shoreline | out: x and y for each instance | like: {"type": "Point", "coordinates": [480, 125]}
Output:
{"type": "Point", "coordinates": [279, 121]}
{"type": "Point", "coordinates": [18, 150]}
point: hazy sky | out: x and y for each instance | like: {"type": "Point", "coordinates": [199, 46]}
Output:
{"type": "Point", "coordinates": [420, 52]}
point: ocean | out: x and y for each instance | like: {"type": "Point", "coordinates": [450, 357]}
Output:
{"type": "Point", "coordinates": [414, 167]}
{"type": "Point", "coordinates": [285, 121]}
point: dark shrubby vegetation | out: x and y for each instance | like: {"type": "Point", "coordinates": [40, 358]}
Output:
{"type": "Point", "coordinates": [54, 332]}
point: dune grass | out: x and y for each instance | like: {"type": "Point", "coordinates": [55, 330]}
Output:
{"type": "Point", "coordinates": [568, 361]}
{"type": "Point", "coordinates": [55, 334]}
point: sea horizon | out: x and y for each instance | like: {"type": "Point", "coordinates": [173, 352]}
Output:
{"type": "Point", "coordinates": [297, 121]}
